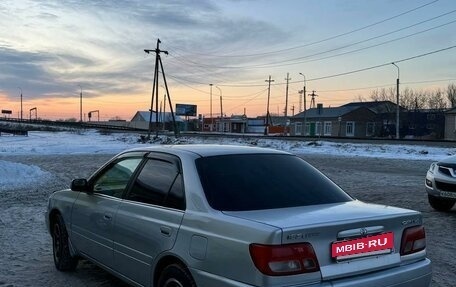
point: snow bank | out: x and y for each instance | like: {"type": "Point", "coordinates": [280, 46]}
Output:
{"type": "Point", "coordinates": [43, 143]}
{"type": "Point", "coordinates": [16, 175]}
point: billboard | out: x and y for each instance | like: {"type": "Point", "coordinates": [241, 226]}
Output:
{"type": "Point", "coordinates": [186, 110]}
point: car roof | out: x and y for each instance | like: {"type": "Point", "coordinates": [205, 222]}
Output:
{"type": "Point", "coordinates": [209, 149]}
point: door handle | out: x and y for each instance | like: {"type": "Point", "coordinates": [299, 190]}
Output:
{"type": "Point", "coordinates": [107, 217]}
{"type": "Point", "coordinates": [165, 230]}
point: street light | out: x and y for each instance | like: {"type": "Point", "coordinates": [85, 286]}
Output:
{"type": "Point", "coordinates": [212, 119]}
{"type": "Point", "coordinates": [80, 104]}
{"type": "Point", "coordinates": [21, 101]}
{"type": "Point", "coordinates": [397, 102]}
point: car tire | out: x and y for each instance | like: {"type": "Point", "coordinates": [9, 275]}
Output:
{"type": "Point", "coordinates": [176, 275]}
{"type": "Point", "coordinates": [441, 204]}
{"type": "Point", "coordinates": [60, 246]}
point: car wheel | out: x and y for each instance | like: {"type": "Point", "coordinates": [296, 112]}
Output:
{"type": "Point", "coordinates": [60, 246]}
{"type": "Point", "coordinates": [441, 204]}
{"type": "Point", "coordinates": [176, 275]}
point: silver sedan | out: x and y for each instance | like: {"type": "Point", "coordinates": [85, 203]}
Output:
{"type": "Point", "coordinates": [222, 216]}
{"type": "Point", "coordinates": [440, 184]}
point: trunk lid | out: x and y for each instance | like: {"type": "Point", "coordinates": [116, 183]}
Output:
{"type": "Point", "coordinates": [354, 222]}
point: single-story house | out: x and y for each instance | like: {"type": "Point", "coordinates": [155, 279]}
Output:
{"type": "Point", "coordinates": [350, 121]}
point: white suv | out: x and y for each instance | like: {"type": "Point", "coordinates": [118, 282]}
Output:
{"type": "Point", "coordinates": [441, 184]}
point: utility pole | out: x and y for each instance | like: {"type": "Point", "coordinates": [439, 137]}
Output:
{"type": "Point", "coordinates": [164, 112]}
{"type": "Point", "coordinates": [80, 104]}
{"type": "Point", "coordinates": [286, 95]}
{"type": "Point", "coordinates": [292, 110]}
{"type": "Point", "coordinates": [312, 101]}
{"type": "Point", "coordinates": [267, 109]}
{"type": "Point", "coordinates": [158, 62]}
{"type": "Point", "coordinates": [305, 105]}
{"type": "Point", "coordinates": [397, 102]}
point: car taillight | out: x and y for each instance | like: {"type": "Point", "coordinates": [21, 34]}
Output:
{"type": "Point", "coordinates": [277, 260]}
{"type": "Point", "coordinates": [413, 240]}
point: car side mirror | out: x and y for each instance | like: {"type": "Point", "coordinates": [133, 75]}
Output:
{"type": "Point", "coordinates": [80, 184]}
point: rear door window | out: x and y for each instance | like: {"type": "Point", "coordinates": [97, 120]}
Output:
{"type": "Point", "coordinates": [159, 183]}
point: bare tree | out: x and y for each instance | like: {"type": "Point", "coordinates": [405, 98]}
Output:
{"type": "Point", "coordinates": [412, 99]}
{"type": "Point", "coordinates": [374, 96]}
{"type": "Point", "coordinates": [360, 98]}
{"type": "Point", "coordinates": [383, 95]}
{"type": "Point", "coordinates": [420, 102]}
{"type": "Point", "coordinates": [407, 99]}
{"type": "Point", "coordinates": [436, 101]}
{"type": "Point", "coordinates": [451, 94]}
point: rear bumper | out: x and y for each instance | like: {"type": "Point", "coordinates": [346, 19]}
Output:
{"type": "Point", "coordinates": [418, 274]}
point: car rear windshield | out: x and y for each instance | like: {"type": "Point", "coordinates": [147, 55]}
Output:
{"type": "Point", "coordinates": [264, 181]}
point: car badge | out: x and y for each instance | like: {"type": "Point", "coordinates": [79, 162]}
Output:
{"type": "Point", "coordinates": [363, 231]}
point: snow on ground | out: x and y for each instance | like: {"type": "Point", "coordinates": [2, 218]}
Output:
{"type": "Point", "coordinates": [26, 253]}
{"type": "Point", "coordinates": [16, 175]}
{"type": "Point", "coordinates": [92, 142]}
{"type": "Point", "coordinates": [88, 142]}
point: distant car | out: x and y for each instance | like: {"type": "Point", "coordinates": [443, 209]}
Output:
{"type": "Point", "coordinates": [441, 184]}
{"type": "Point", "coordinates": [221, 216]}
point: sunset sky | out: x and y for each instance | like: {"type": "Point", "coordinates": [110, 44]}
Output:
{"type": "Point", "coordinates": [50, 50]}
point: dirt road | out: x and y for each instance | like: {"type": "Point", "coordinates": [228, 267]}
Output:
{"type": "Point", "coordinates": [26, 256]}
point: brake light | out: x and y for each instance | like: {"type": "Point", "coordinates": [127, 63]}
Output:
{"type": "Point", "coordinates": [413, 240]}
{"type": "Point", "coordinates": [290, 259]}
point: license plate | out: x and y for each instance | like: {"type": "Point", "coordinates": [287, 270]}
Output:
{"type": "Point", "coordinates": [365, 246]}
{"type": "Point", "coordinates": [448, 194]}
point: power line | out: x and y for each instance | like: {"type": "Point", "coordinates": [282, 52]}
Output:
{"type": "Point", "coordinates": [382, 65]}
{"type": "Point", "coordinates": [180, 81]}
{"type": "Point", "coordinates": [358, 50]}
{"type": "Point", "coordinates": [208, 93]}
{"type": "Point", "coordinates": [246, 102]}
{"type": "Point", "coordinates": [366, 40]}
{"type": "Point", "coordinates": [325, 39]}
{"type": "Point", "coordinates": [204, 71]}
{"type": "Point", "coordinates": [425, 54]}
{"type": "Point", "coordinates": [244, 96]}
{"type": "Point", "coordinates": [295, 61]}
{"type": "Point", "coordinates": [385, 85]}
{"type": "Point", "coordinates": [329, 76]}
{"type": "Point", "coordinates": [429, 81]}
